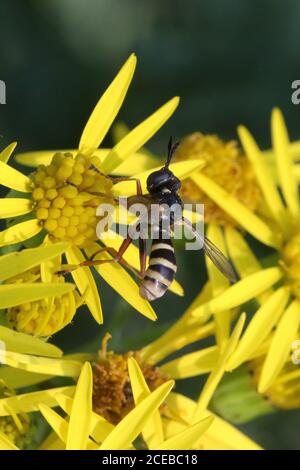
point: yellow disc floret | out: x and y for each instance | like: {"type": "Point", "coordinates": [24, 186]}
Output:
{"type": "Point", "coordinates": [66, 195]}
{"type": "Point", "coordinates": [225, 165]}
{"type": "Point", "coordinates": [46, 316]}
{"type": "Point", "coordinates": [16, 427]}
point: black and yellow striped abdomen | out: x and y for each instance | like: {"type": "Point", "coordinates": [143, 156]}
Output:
{"type": "Point", "coordinates": [161, 270]}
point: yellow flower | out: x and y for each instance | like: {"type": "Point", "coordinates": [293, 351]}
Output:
{"type": "Point", "coordinates": [284, 392]}
{"type": "Point", "coordinates": [275, 288]}
{"type": "Point", "coordinates": [62, 195]}
{"type": "Point", "coordinates": [26, 273]}
{"type": "Point", "coordinates": [187, 424]}
{"type": "Point", "coordinates": [238, 400]}
{"type": "Point", "coordinates": [16, 430]}
{"type": "Point", "coordinates": [224, 164]}
{"type": "Point", "coordinates": [110, 370]}
{"type": "Point", "coordinates": [23, 304]}
{"type": "Point", "coordinates": [46, 316]}
{"type": "Point", "coordinates": [114, 395]}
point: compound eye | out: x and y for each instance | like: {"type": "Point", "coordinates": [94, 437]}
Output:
{"type": "Point", "coordinates": [157, 179]}
{"type": "Point", "coordinates": [151, 181]}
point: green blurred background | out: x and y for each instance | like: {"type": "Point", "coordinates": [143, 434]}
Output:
{"type": "Point", "coordinates": [230, 62]}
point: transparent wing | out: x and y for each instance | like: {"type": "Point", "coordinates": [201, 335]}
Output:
{"type": "Point", "coordinates": [214, 254]}
{"type": "Point", "coordinates": [219, 260]}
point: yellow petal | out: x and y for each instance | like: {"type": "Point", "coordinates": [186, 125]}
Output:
{"type": "Point", "coordinates": [136, 138]}
{"type": "Point", "coordinates": [44, 157]}
{"type": "Point", "coordinates": [131, 426]}
{"type": "Point", "coordinates": [131, 256]}
{"type": "Point", "coordinates": [185, 331]}
{"type": "Point", "coordinates": [152, 430]}
{"type": "Point", "coordinates": [136, 163]}
{"type": "Point", "coordinates": [285, 168]}
{"type": "Point", "coordinates": [27, 344]}
{"type": "Point", "coordinates": [116, 276]}
{"type": "Point", "coordinates": [188, 438]}
{"type": "Point", "coordinates": [123, 217]}
{"type": "Point", "coordinates": [52, 442]}
{"type": "Point", "coordinates": [204, 296]}
{"type": "Point", "coordinates": [244, 290]}
{"type": "Point", "coordinates": [294, 149]}
{"type": "Point", "coordinates": [193, 364]}
{"type": "Point", "coordinates": [14, 179]}
{"type": "Point", "coordinates": [12, 207]}
{"type": "Point", "coordinates": [243, 258]}
{"type": "Point", "coordinates": [281, 344]}
{"type": "Point", "coordinates": [80, 418]}
{"type": "Point", "coordinates": [22, 378]}
{"type": "Point", "coordinates": [61, 426]}
{"type": "Point", "coordinates": [182, 408]}
{"type": "Point", "coordinates": [107, 108]}
{"type": "Point", "coordinates": [19, 262]}
{"type": "Point", "coordinates": [57, 423]}
{"type": "Point", "coordinates": [5, 443]}
{"type": "Point", "coordinates": [16, 294]}
{"type": "Point", "coordinates": [40, 157]}
{"type": "Point", "coordinates": [6, 153]}
{"type": "Point", "coordinates": [86, 284]}
{"type": "Point", "coordinates": [219, 283]}
{"type": "Point", "coordinates": [193, 216]}
{"type": "Point", "coordinates": [249, 221]}
{"type": "Point", "coordinates": [259, 327]}
{"type": "Point", "coordinates": [42, 365]}
{"type": "Point", "coordinates": [50, 266]}
{"type": "Point", "coordinates": [172, 427]}
{"type": "Point", "coordinates": [82, 357]}
{"type": "Point", "coordinates": [262, 173]}
{"type": "Point", "coordinates": [19, 232]}
{"type": "Point", "coordinates": [261, 350]}
{"type": "Point", "coordinates": [218, 372]}
{"type": "Point", "coordinates": [180, 169]}
{"type": "Point", "coordinates": [29, 402]}
{"type": "Point", "coordinates": [223, 436]}
{"type": "Point", "coordinates": [99, 427]}
{"type": "Point", "coordinates": [220, 435]}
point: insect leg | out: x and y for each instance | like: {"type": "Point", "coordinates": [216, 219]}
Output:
{"type": "Point", "coordinates": [120, 179]}
{"type": "Point", "coordinates": [117, 257]}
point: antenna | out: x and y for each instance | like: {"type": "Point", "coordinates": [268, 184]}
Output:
{"type": "Point", "coordinates": [171, 149]}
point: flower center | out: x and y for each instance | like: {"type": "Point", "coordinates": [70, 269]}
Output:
{"type": "Point", "coordinates": [67, 193]}
{"type": "Point", "coordinates": [226, 166]}
{"type": "Point", "coordinates": [291, 263]}
{"type": "Point", "coordinates": [17, 428]}
{"type": "Point", "coordinates": [42, 317]}
{"type": "Point", "coordinates": [112, 394]}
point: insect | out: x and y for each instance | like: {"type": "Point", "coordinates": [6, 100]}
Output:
{"type": "Point", "coordinates": [156, 278]}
